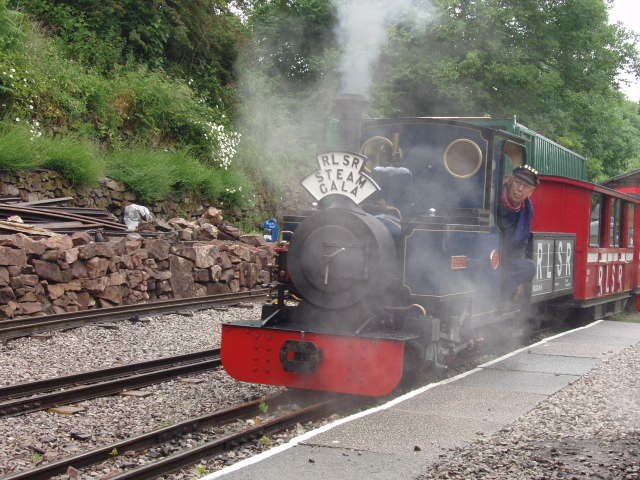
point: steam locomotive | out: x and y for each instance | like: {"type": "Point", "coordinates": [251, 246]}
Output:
{"type": "Point", "coordinates": [399, 267]}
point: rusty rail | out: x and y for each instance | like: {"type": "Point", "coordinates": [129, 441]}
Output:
{"type": "Point", "coordinates": [34, 396]}
{"type": "Point", "coordinates": [186, 457]}
{"type": "Point", "coordinates": [14, 328]}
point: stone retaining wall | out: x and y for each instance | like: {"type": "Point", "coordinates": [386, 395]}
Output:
{"type": "Point", "coordinates": [109, 194]}
{"type": "Point", "coordinates": [67, 273]}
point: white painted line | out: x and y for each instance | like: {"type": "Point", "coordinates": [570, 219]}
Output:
{"type": "Point", "coordinates": [541, 342]}
{"type": "Point", "coordinates": [391, 403]}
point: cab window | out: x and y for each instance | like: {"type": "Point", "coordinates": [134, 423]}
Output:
{"type": "Point", "coordinates": [514, 155]}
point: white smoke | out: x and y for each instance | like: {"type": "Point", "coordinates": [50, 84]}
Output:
{"type": "Point", "coordinates": [362, 33]}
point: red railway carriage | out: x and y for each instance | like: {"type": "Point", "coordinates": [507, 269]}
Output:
{"type": "Point", "coordinates": [605, 224]}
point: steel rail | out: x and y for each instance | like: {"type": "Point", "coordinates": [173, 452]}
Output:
{"type": "Point", "coordinates": [4, 207]}
{"type": "Point", "coordinates": [14, 328]}
{"type": "Point", "coordinates": [160, 436]}
{"type": "Point", "coordinates": [191, 456]}
{"type": "Point", "coordinates": [108, 387]}
{"type": "Point", "coordinates": [145, 440]}
{"type": "Point", "coordinates": [94, 376]}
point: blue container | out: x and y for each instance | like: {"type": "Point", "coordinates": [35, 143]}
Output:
{"type": "Point", "coordinates": [271, 230]}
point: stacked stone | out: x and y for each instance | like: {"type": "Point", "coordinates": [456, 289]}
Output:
{"type": "Point", "coordinates": [41, 184]}
{"type": "Point", "coordinates": [109, 194]}
{"type": "Point", "coordinates": [67, 273]}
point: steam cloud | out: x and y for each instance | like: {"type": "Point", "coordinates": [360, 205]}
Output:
{"type": "Point", "coordinates": [362, 31]}
{"type": "Point", "coordinates": [280, 138]}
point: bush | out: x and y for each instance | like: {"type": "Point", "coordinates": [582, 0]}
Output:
{"type": "Point", "coordinates": [42, 88]}
{"type": "Point", "coordinates": [11, 31]}
{"type": "Point", "coordinates": [147, 173]}
{"type": "Point", "coordinates": [192, 176]}
{"type": "Point", "coordinates": [156, 175]}
{"type": "Point", "coordinates": [56, 110]}
{"type": "Point", "coordinates": [18, 151]}
{"type": "Point", "coordinates": [194, 39]}
{"type": "Point", "coordinates": [75, 159]}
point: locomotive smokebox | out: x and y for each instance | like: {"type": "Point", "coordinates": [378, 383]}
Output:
{"type": "Point", "coordinates": [349, 109]}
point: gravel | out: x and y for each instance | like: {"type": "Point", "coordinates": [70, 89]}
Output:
{"type": "Point", "coordinates": [94, 347]}
{"type": "Point", "coordinates": [27, 440]}
{"type": "Point", "coordinates": [588, 430]}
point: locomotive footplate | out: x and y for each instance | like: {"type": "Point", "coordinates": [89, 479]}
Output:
{"type": "Point", "coordinates": [369, 365]}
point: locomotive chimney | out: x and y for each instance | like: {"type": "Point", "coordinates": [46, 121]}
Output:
{"type": "Point", "coordinates": [349, 109]}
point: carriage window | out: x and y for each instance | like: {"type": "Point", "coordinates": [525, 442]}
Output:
{"type": "Point", "coordinates": [630, 223]}
{"type": "Point", "coordinates": [594, 228]}
{"type": "Point", "coordinates": [615, 224]}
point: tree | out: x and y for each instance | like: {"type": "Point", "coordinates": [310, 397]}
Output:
{"type": "Point", "coordinates": [553, 63]}
{"type": "Point", "coordinates": [291, 38]}
{"type": "Point", "coordinates": [195, 39]}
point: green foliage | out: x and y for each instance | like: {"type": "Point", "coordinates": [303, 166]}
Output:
{"type": "Point", "coordinates": [148, 174]}
{"type": "Point", "coordinates": [11, 30]}
{"type": "Point", "coordinates": [43, 90]}
{"type": "Point", "coordinates": [157, 175]}
{"type": "Point", "coordinates": [74, 159]}
{"type": "Point", "coordinates": [202, 47]}
{"type": "Point", "coordinates": [553, 64]}
{"type": "Point", "coordinates": [17, 150]}
{"type": "Point", "coordinates": [192, 38]}
{"type": "Point", "coordinates": [46, 91]}
{"type": "Point", "coordinates": [150, 105]}
{"type": "Point", "coordinates": [55, 108]}
{"type": "Point", "coordinates": [292, 37]}
{"type": "Point", "coordinates": [201, 470]}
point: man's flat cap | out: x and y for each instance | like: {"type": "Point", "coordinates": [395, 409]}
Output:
{"type": "Point", "coordinates": [527, 174]}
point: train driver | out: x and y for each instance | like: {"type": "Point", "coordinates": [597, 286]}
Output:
{"type": "Point", "coordinates": [515, 214]}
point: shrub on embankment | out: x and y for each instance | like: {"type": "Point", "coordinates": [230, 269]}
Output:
{"type": "Point", "coordinates": [152, 175]}
{"type": "Point", "coordinates": [149, 130]}
{"type": "Point", "coordinates": [76, 159]}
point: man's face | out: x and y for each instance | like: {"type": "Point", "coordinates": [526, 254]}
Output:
{"type": "Point", "coordinates": [519, 190]}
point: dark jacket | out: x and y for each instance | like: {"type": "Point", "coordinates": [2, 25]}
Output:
{"type": "Point", "coordinates": [516, 228]}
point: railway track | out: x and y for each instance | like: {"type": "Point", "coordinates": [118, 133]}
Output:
{"type": "Point", "coordinates": [211, 447]}
{"type": "Point", "coordinates": [104, 459]}
{"type": "Point", "coordinates": [15, 328]}
{"type": "Point", "coordinates": [33, 396]}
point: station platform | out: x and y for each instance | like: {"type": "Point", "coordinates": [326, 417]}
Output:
{"type": "Point", "coordinates": [400, 439]}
